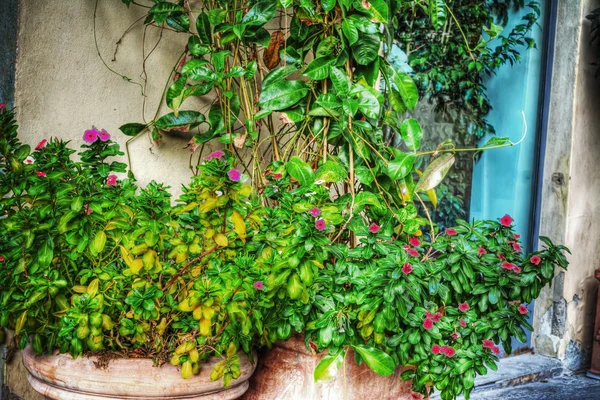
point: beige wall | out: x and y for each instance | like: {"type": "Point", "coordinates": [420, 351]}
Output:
{"type": "Point", "coordinates": [571, 189]}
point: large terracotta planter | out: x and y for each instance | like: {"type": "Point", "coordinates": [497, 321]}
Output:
{"type": "Point", "coordinates": [60, 377]}
{"type": "Point", "coordinates": [285, 372]}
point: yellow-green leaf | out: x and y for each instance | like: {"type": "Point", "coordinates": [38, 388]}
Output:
{"type": "Point", "coordinates": [239, 225]}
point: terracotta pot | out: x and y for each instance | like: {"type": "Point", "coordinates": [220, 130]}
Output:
{"type": "Point", "coordinates": [60, 377]}
{"type": "Point", "coordinates": [285, 372]}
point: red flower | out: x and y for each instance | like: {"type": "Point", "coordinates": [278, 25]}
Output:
{"type": "Point", "coordinates": [501, 256]}
{"type": "Point", "coordinates": [427, 324]}
{"type": "Point", "coordinates": [488, 343]}
{"type": "Point", "coordinates": [507, 265]}
{"type": "Point", "coordinates": [41, 144]}
{"type": "Point", "coordinates": [374, 228]}
{"type": "Point", "coordinates": [415, 241]}
{"type": "Point", "coordinates": [517, 236]}
{"type": "Point", "coordinates": [496, 350]}
{"type": "Point", "coordinates": [535, 260]}
{"type": "Point", "coordinates": [413, 252]}
{"type": "Point", "coordinates": [449, 351]}
{"type": "Point", "coordinates": [455, 335]}
{"type": "Point", "coordinates": [320, 225]}
{"type": "Point", "coordinates": [435, 349]}
{"type": "Point", "coordinates": [277, 176]}
{"type": "Point", "coordinates": [437, 317]}
{"type": "Point", "coordinates": [111, 180]}
{"type": "Point", "coordinates": [40, 173]}
{"type": "Point", "coordinates": [407, 269]}
{"type": "Point", "coordinates": [522, 309]}
{"type": "Point", "coordinates": [2, 258]}
{"type": "Point", "coordinates": [506, 220]}
{"type": "Point", "coordinates": [464, 307]}
{"type": "Point", "coordinates": [463, 323]}
{"type": "Point", "coordinates": [517, 247]}
{"type": "Point", "coordinates": [481, 251]}
{"type": "Point", "coordinates": [451, 232]}
{"type": "Point", "coordinates": [516, 269]}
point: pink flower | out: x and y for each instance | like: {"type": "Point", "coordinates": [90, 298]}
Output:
{"type": "Point", "coordinates": [495, 350]}
{"type": "Point", "coordinates": [455, 336]}
{"type": "Point", "coordinates": [41, 144]}
{"type": "Point", "coordinates": [437, 317]}
{"type": "Point", "coordinates": [535, 260]}
{"type": "Point", "coordinates": [374, 228]}
{"type": "Point", "coordinates": [258, 285]}
{"type": "Point", "coordinates": [507, 265]}
{"type": "Point", "coordinates": [463, 323]}
{"type": "Point", "coordinates": [464, 307]}
{"type": "Point", "coordinates": [87, 209]}
{"type": "Point", "coordinates": [407, 269]}
{"type": "Point", "coordinates": [501, 256]}
{"type": "Point", "coordinates": [448, 351]}
{"type": "Point", "coordinates": [414, 241]}
{"type": "Point", "coordinates": [315, 212]}
{"type": "Point", "coordinates": [91, 135]}
{"type": "Point", "coordinates": [435, 349]}
{"type": "Point", "coordinates": [451, 232]}
{"type": "Point", "coordinates": [413, 252]}
{"type": "Point", "coordinates": [103, 135]}
{"type": "Point", "coordinates": [216, 154]}
{"type": "Point", "coordinates": [2, 258]}
{"type": "Point", "coordinates": [427, 324]}
{"type": "Point", "coordinates": [2, 106]}
{"type": "Point", "coordinates": [522, 309]}
{"type": "Point", "coordinates": [29, 160]}
{"type": "Point", "coordinates": [517, 247]}
{"type": "Point", "coordinates": [506, 220]}
{"type": "Point", "coordinates": [516, 269]}
{"type": "Point", "coordinates": [277, 176]}
{"type": "Point", "coordinates": [517, 236]}
{"type": "Point", "coordinates": [406, 247]}
{"type": "Point", "coordinates": [111, 180]}
{"type": "Point", "coordinates": [428, 314]}
{"type": "Point", "coordinates": [481, 251]}
{"type": "Point", "coordinates": [40, 174]}
{"type": "Point", "coordinates": [488, 344]}
{"type": "Point", "coordinates": [320, 225]}
{"type": "Point", "coordinates": [234, 175]}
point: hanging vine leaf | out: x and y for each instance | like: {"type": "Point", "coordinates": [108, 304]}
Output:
{"type": "Point", "coordinates": [365, 50]}
{"type": "Point", "coordinates": [435, 172]}
{"type": "Point", "coordinates": [319, 68]}
{"type": "Point", "coordinates": [411, 133]}
{"type": "Point", "coordinates": [132, 128]}
{"type": "Point", "coordinates": [406, 87]}
{"type": "Point", "coordinates": [437, 13]}
{"type": "Point", "coordinates": [185, 121]}
{"type": "Point", "coordinates": [282, 94]}
{"type": "Point", "coordinates": [401, 166]}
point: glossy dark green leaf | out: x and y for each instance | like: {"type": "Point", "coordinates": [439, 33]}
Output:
{"type": "Point", "coordinates": [185, 121]}
{"type": "Point", "coordinates": [319, 68]}
{"type": "Point", "coordinates": [366, 48]}
{"type": "Point", "coordinates": [401, 166]}
{"type": "Point", "coordinates": [411, 133]}
{"type": "Point", "coordinates": [132, 128]}
{"type": "Point", "coordinates": [437, 13]}
{"type": "Point", "coordinates": [262, 12]}
{"type": "Point", "coordinates": [282, 94]}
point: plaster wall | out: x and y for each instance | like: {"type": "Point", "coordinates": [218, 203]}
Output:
{"type": "Point", "coordinates": [564, 314]}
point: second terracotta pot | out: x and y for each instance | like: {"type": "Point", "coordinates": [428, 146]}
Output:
{"type": "Point", "coordinates": [285, 372]}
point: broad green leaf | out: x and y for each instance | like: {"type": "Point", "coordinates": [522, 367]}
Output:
{"type": "Point", "coordinates": [46, 253]}
{"type": "Point", "coordinates": [328, 5]}
{"type": "Point", "coordinates": [185, 121]}
{"type": "Point", "coordinates": [165, 8]}
{"type": "Point", "coordinates": [350, 31]}
{"type": "Point", "coordinates": [331, 171]}
{"type": "Point", "coordinates": [340, 81]}
{"type": "Point", "coordinates": [203, 28]}
{"type": "Point", "coordinates": [261, 13]}
{"type": "Point", "coordinates": [132, 129]}
{"type": "Point", "coordinates": [282, 94]}
{"type": "Point", "coordinates": [328, 366]}
{"type": "Point", "coordinates": [437, 13]}
{"type": "Point", "coordinates": [364, 198]}
{"type": "Point", "coordinates": [396, 101]}
{"type": "Point", "coordinates": [300, 171]}
{"type": "Point", "coordinates": [368, 102]}
{"type": "Point", "coordinates": [380, 10]}
{"type": "Point", "coordinates": [411, 133]}
{"type": "Point", "coordinates": [401, 166]}
{"type": "Point", "coordinates": [175, 94]}
{"type": "Point", "coordinates": [319, 68]}
{"type": "Point", "coordinates": [380, 362]}
{"type": "Point", "coordinates": [366, 49]}
{"type": "Point", "coordinates": [278, 74]}
{"type": "Point", "coordinates": [97, 244]}
{"type": "Point", "coordinates": [406, 87]}
{"type": "Point", "coordinates": [462, 366]}
{"type": "Point", "coordinates": [435, 172]}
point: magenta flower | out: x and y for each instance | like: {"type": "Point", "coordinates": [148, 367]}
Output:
{"type": "Point", "coordinates": [516, 269]}
{"type": "Point", "coordinates": [507, 265]}
{"type": "Point", "coordinates": [406, 247]}
{"type": "Point", "coordinates": [427, 324]}
{"type": "Point", "coordinates": [507, 220]}
{"type": "Point", "coordinates": [234, 175]}
{"type": "Point", "coordinates": [436, 349]}
{"type": "Point", "coordinates": [374, 228]}
{"type": "Point", "coordinates": [91, 135]}
{"type": "Point", "coordinates": [103, 135]}
{"type": "Point", "coordinates": [448, 351]}
{"type": "Point", "coordinates": [481, 251]}
{"type": "Point", "coordinates": [464, 307]}
{"type": "Point", "coordinates": [535, 260]}
{"type": "Point", "coordinates": [413, 252]}
{"type": "Point", "coordinates": [87, 209]}
{"type": "Point", "coordinates": [258, 285]}
{"type": "Point", "coordinates": [320, 225]}
{"type": "Point", "coordinates": [40, 174]}
{"type": "Point", "coordinates": [2, 258]}
{"type": "Point", "coordinates": [522, 309]}
{"type": "Point", "coordinates": [315, 212]}
{"type": "Point", "coordinates": [437, 317]}
{"type": "Point", "coordinates": [2, 106]}
{"type": "Point", "coordinates": [496, 350]}
{"type": "Point", "coordinates": [517, 247]}
{"type": "Point", "coordinates": [407, 269]}
{"type": "Point", "coordinates": [517, 236]}
{"type": "Point", "coordinates": [277, 176]}
{"type": "Point", "coordinates": [111, 180]}
{"type": "Point", "coordinates": [215, 154]}
{"type": "Point", "coordinates": [451, 232]}
{"type": "Point", "coordinates": [463, 323]}
{"type": "Point", "coordinates": [29, 160]}
{"type": "Point", "coordinates": [501, 256]}
{"type": "Point", "coordinates": [455, 336]}
{"type": "Point", "coordinates": [41, 144]}
{"type": "Point", "coordinates": [488, 344]}
{"type": "Point", "coordinates": [414, 242]}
